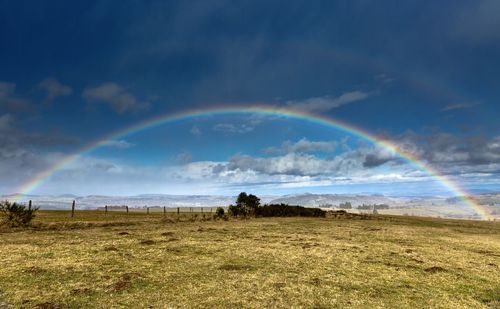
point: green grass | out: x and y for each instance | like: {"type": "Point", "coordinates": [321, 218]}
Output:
{"type": "Point", "coordinates": [137, 261]}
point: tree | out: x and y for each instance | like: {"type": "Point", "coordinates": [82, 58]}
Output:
{"type": "Point", "coordinates": [247, 204]}
{"type": "Point", "coordinates": [234, 210]}
{"type": "Point", "coordinates": [346, 205]}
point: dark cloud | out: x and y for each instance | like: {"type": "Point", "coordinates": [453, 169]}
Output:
{"type": "Point", "coordinates": [373, 160]}
{"type": "Point", "coordinates": [54, 89]}
{"type": "Point", "coordinates": [446, 150]}
{"type": "Point", "coordinates": [116, 96]}
{"type": "Point", "coordinates": [9, 100]}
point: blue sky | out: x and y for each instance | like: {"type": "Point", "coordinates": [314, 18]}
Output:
{"type": "Point", "coordinates": [424, 74]}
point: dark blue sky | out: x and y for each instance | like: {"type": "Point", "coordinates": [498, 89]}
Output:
{"type": "Point", "coordinates": [426, 74]}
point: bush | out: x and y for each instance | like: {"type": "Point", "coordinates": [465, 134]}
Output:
{"type": "Point", "coordinates": [219, 212]}
{"type": "Point", "coordinates": [16, 214]}
{"type": "Point", "coordinates": [234, 210]}
{"type": "Point", "coordinates": [284, 210]}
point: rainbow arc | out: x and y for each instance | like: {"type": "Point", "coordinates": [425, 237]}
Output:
{"type": "Point", "coordinates": [453, 187]}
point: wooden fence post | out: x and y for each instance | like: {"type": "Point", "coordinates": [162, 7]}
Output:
{"type": "Point", "coordinates": [106, 209]}
{"type": "Point", "coordinates": [29, 205]}
{"type": "Point", "coordinates": [201, 209]}
{"type": "Point", "coordinates": [73, 209]}
{"type": "Point", "coordinates": [191, 209]}
{"type": "Point", "coordinates": [127, 208]}
{"type": "Point", "coordinates": [147, 210]}
{"type": "Point", "coordinates": [178, 211]}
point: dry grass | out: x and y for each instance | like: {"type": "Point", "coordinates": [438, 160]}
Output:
{"type": "Point", "coordinates": [140, 261]}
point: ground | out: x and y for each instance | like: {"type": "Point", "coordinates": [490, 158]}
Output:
{"type": "Point", "coordinates": [140, 260]}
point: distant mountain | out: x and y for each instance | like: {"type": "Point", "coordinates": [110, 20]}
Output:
{"type": "Point", "coordinates": [328, 200]}
{"type": "Point", "coordinates": [306, 199]}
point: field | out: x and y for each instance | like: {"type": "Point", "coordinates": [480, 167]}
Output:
{"type": "Point", "coordinates": [140, 260]}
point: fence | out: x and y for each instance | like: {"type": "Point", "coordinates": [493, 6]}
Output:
{"type": "Point", "coordinates": [147, 210]}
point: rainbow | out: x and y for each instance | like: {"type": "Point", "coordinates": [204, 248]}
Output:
{"type": "Point", "coordinates": [43, 176]}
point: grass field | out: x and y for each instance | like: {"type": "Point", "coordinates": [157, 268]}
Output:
{"type": "Point", "coordinates": [140, 261]}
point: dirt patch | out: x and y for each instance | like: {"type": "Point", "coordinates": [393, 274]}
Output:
{"type": "Point", "coordinates": [309, 245]}
{"type": "Point", "coordinates": [147, 242]}
{"type": "Point", "coordinates": [236, 267]}
{"type": "Point", "coordinates": [110, 248]}
{"type": "Point", "coordinates": [435, 269]}
{"type": "Point", "coordinates": [124, 233]}
{"type": "Point", "coordinates": [488, 253]}
{"type": "Point", "coordinates": [34, 270]}
{"type": "Point", "coordinates": [81, 291]}
{"type": "Point", "coordinates": [124, 283]}
{"type": "Point", "coordinates": [48, 305]}
{"type": "Point", "coordinates": [315, 281]}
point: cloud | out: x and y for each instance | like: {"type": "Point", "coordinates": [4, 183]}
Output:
{"type": "Point", "coordinates": [301, 164]}
{"type": "Point", "coordinates": [119, 99]}
{"type": "Point", "coordinates": [379, 157]}
{"type": "Point", "coordinates": [119, 144]}
{"type": "Point", "coordinates": [5, 122]}
{"type": "Point", "coordinates": [8, 98]}
{"type": "Point", "coordinates": [451, 107]}
{"type": "Point", "coordinates": [451, 151]}
{"type": "Point", "coordinates": [184, 157]}
{"type": "Point", "coordinates": [326, 103]}
{"type": "Point", "coordinates": [384, 78]}
{"type": "Point", "coordinates": [303, 146]}
{"type": "Point", "coordinates": [232, 128]}
{"type": "Point", "coordinates": [54, 89]}
{"type": "Point", "coordinates": [196, 131]}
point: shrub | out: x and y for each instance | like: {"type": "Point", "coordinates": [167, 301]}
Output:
{"type": "Point", "coordinates": [234, 210]}
{"type": "Point", "coordinates": [219, 212]}
{"type": "Point", "coordinates": [284, 210]}
{"type": "Point", "coordinates": [16, 214]}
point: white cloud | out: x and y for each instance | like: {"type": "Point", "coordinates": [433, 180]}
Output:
{"type": "Point", "coordinates": [451, 107]}
{"type": "Point", "coordinates": [54, 88]}
{"type": "Point", "coordinates": [196, 131]}
{"type": "Point", "coordinates": [304, 145]}
{"type": "Point", "coordinates": [326, 103]}
{"type": "Point", "coordinates": [119, 99]}
{"type": "Point", "coordinates": [232, 128]}
{"type": "Point", "coordinates": [119, 144]}
{"type": "Point", "coordinates": [184, 157]}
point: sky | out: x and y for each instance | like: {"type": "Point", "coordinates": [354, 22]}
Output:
{"type": "Point", "coordinates": [423, 74]}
